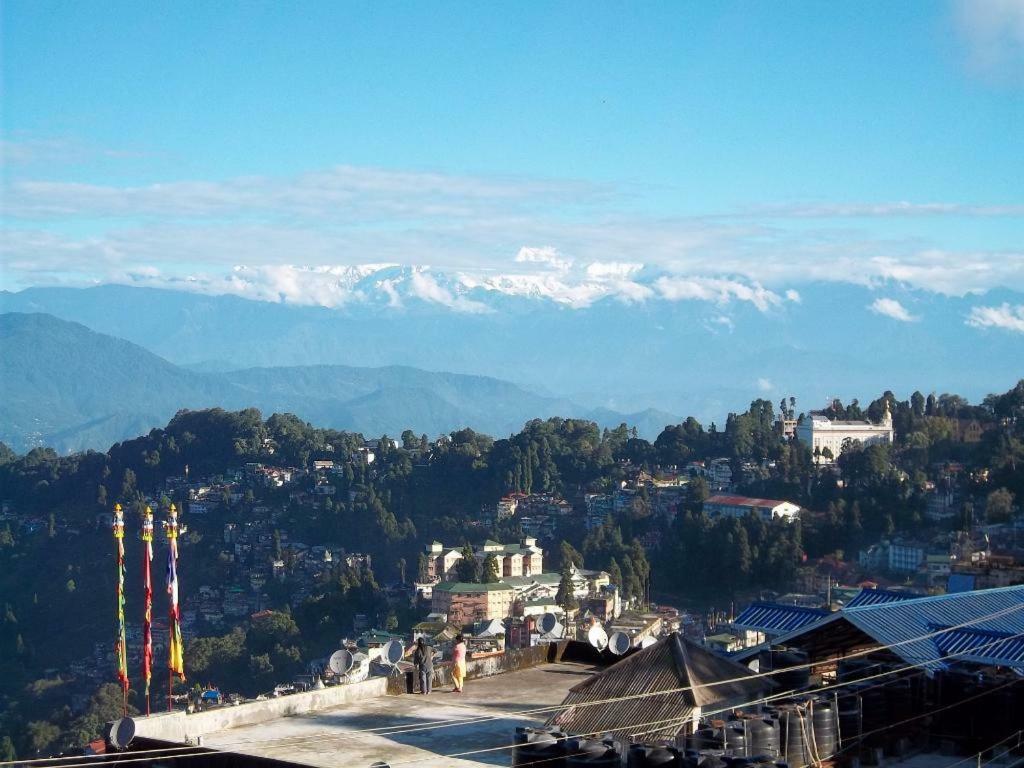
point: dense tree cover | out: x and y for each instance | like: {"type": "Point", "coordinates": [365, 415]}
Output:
{"type": "Point", "coordinates": [416, 491]}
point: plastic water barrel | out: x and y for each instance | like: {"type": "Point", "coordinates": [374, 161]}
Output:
{"type": "Point", "coordinates": [795, 678]}
{"type": "Point", "coordinates": [734, 738]}
{"type": "Point", "coordinates": [823, 720]}
{"type": "Point", "coordinates": [643, 756]}
{"type": "Point", "coordinates": [534, 745]}
{"type": "Point", "coordinates": [705, 738]}
{"type": "Point", "coordinates": [590, 753]}
{"type": "Point", "coordinates": [709, 759]}
{"type": "Point", "coordinates": [796, 730]}
{"type": "Point", "coordinates": [849, 718]}
{"type": "Point", "coordinates": [763, 736]}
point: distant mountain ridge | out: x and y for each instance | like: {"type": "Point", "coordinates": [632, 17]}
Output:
{"type": "Point", "coordinates": [693, 357]}
{"type": "Point", "coordinates": [71, 388]}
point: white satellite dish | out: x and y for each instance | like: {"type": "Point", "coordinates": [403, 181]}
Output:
{"type": "Point", "coordinates": [548, 622]}
{"type": "Point", "coordinates": [393, 652]}
{"type": "Point", "coordinates": [597, 637]}
{"type": "Point", "coordinates": [121, 733]}
{"type": "Point", "coordinates": [340, 662]}
{"type": "Point", "coordinates": [619, 643]}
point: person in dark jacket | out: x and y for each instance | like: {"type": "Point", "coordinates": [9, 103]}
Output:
{"type": "Point", "coordinates": [423, 660]}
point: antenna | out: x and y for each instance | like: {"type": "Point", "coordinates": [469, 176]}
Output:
{"type": "Point", "coordinates": [549, 625]}
{"type": "Point", "coordinates": [619, 643]}
{"type": "Point", "coordinates": [393, 652]}
{"type": "Point", "coordinates": [340, 662]}
{"type": "Point", "coordinates": [597, 637]}
{"type": "Point", "coordinates": [121, 733]}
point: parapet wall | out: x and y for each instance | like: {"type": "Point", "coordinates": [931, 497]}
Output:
{"type": "Point", "coordinates": [511, 660]}
{"type": "Point", "coordinates": [180, 727]}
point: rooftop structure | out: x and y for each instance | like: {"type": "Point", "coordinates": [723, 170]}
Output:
{"type": "Point", "coordinates": [901, 626]}
{"type": "Point", "coordinates": [773, 619]}
{"type": "Point", "coordinates": [371, 726]}
{"type": "Point", "coordinates": [670, 664]}
{"type": "Point", "coordinates": [741, 506]}
{"type": "Point", "coordinates": [827, 437]}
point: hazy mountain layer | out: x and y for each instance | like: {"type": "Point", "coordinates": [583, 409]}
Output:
{"type": "Point", "coordinates": [69, 387]}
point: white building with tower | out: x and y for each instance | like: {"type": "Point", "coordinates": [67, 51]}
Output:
{"type": "Point", "coordinates": [819, 432]}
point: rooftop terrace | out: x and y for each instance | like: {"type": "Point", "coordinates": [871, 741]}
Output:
{"type": "Point", "coordinates": [395, 729]}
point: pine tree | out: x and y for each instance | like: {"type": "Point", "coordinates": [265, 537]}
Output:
{"type": "Point", "coordinates": [565, 597]}
{"type": "Point", "coordinates": [7, 753]}
{"type": "Point", "coordinates": [468, 568]}
{"type": "Point", "coordinates": [615, 574]}
{"type": "Point", "coordinates": [490, 569]}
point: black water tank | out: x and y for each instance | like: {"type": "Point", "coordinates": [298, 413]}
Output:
{"type": "Point", "coordinates": [705, 738]}
{"type": "Point", "coordinates": [643, 756]}
{"type": "Point", "coordinates": [734, 738]}
{"type": "Point", "coordinates": [763, 736]}
{"type": "Point", "coordinates": [796, 731]}
{"type": "Point", "coordinates": [534, 745]}
{"type": "Point", "coordinates": [823, 720]}
{"type": "Point", "coordinates": [849, 718]}
{"type": "Point", "coordinates": [709, 759]}
{"type": "Point", "coordinates": [590, 753]}
{"type": "Point", "coordinates": [874, 710]}
{"type": "Point", "coordinates": [900, 703]}
{"type": "Point", "coordinates": [793, 679]}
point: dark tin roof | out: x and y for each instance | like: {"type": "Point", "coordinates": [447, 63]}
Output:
{"type": "Point", "coordinates": [878, 596]}
{"type": "Point", "coordinates": [775, 618]}
{"type": "Point", "coordinates": [982, 646]}
{"type": "Point", "coordinates": [903, 624]}
{"type": "Point", "coordinates": [672, 663]}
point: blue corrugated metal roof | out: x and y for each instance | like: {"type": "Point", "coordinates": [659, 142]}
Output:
{"type": "Point", "coordinates": [879, 596]}
{"type": "Point", "coordinates": [960, 582]}
{"type": "Point", "coordinates": [775, 619]}
{"type": "Point", "coordinates": [898, 623]}
{"type": "Point", "coordinates": [982, 646]}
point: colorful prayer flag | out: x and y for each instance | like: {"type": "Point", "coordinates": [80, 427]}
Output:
{"type": "Point", "coordinates": [176, 647]}
{"type": "Point", "coordinates": [120, 646]}
{"type": "Point", "coordinates": [147, 621]}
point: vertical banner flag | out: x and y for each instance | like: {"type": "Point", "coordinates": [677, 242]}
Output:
{"type": "Point", "coordinates": [147, 620]}
{"type": "Point", "coordinates": [120, 647]}
{"type": "Point", "coordinates": [176, 648]}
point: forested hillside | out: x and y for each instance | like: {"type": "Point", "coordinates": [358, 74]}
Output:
{"type": "Point", "coordinates": [57, 574]}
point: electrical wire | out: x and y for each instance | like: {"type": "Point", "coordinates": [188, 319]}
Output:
{"type": "Point", "coordinates": [665, 723]}
{"type": "Point", "coordinates": [391, 730]}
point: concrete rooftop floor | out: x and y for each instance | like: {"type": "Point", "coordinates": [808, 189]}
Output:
{"type": "Point", "coordinates": [330, 738]}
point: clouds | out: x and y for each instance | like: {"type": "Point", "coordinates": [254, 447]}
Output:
{"type": "Point", "coordinates": [892, 308]}
{"type": "Point", "coordinates": [716, 290]}
{"type": "Point", "coordinates": [565, 240]}
{"type": "Point", "coordinates": [1006, 317]}
{"type": "Point", "coordinates": [993, 34]}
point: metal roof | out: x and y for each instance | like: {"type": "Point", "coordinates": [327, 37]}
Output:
{"type": "Point", "coordinates": [897, 623]}
{"type": "Point", "coordinates": [982, 646]}
{"type": "Point", "coordinates": [777, 619]}
{"type": "Point", "coordinates": [744, 501]}
{"type": "Point", "coordinates": [878, 596]}
{"type": "Point", "coordinates": [670, 664]}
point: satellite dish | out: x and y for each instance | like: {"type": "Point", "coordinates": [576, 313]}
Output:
{"type": "Point", "coordinates": [619, 643]}
{"type": "Point", "coordinates": [647, 642]}
{"type": "Point", "coordinates": [393, 652]}
{"type": "Point", "coordinates": [548, 622]}
{"type": "Point", "coordinates": [122, 732]}
{"type": "Point", "coordinates": [340, 662]}
{"type": "Point", "coordinates": [597, 637]}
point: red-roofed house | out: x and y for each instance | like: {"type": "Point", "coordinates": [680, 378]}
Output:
{"type": "Point", "coordinates": [741, 506]}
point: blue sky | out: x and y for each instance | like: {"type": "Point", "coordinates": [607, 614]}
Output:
{"type": "Point", "coordinates": [153, 142]}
